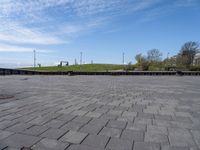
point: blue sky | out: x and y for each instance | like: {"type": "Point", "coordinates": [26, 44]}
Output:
{"type": "Point", "coordinates": [101, 29]}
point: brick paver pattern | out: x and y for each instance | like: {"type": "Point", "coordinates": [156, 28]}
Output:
{"type": "Point", "coordinates": [100, 112]}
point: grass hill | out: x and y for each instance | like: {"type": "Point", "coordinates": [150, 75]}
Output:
{"type": "Point", "coordinates": [79, 68]}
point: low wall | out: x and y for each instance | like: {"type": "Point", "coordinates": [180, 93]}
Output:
{"type": "Point", "coordinates": [149, 73]}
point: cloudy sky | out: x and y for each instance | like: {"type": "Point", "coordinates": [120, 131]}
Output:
{"type": "Point", "coordinates": [101, 29]}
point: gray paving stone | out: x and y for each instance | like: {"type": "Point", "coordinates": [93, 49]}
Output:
{"type": "Point", "coordinates": [96, 141]}
{"type": "Point", "coordinates": [40, 120]}
{"type": "Point", "coordinates": [5, 134]}
{"type": "Point", "coordinates": [123, 108]}
{"type": "Point", "coordinates": [137, 108]}
{"type": "Point", "coordinates": [36, 130]}
{"type": "Point", "coordinates": [52, 114]}
{"type": "Point", "coordinates": [82, 119]}
{"type": "Point", "coordinates": [20, 140]}
{"type": "Point", "coordinates": [131, 135]}
{"type": "Point", "coordinates": [145, 115]}
{"type": "Point", "coordinates": [19, 127]}
{"type": "Point", "coordinates": [7, 123]}
{"type": "Point", "coordinates": [66, 117]}
{"type": "Point", "coordinates": [12, 116]}
{"type": "Point", "coordinates": [196, 135]}
{"type": "Point", "coordinates": [163, 117]}
{"type": "Point", "coordinates": [100, 122]}
{"type": "Point", "coordinates": [92, 129]}
{"type": "Point", "coordinates": [116, 124]}
{"type": "Point", "coordinates": [11, 148]}
{"type": "Point", "coordinates": [74, 126]}
{"type": "Point", "coordinates": [73, 137]}
{"type": "Point", "coordinates": [193, 148]}
{"type": "Point", "coordinates": [180, 137]}
{"type": "Point", "coordinates": [26, 119]}
{"type": "Point", "coordinates": [3, 146]}
{"type": "Point", "coordinates": [88, 108]}
{"type": "Point", "coordinates": [82, 147]}
{"type": "Point", "coordinates": [162, 107]}
{"type": "Point", "coordinates": [181, 119]}
{"type": "Point", "coordinates": [125, 119]}
{"type": "Point", "coordinates": [162, 123]}
{"type": "Point", "coordinates": [118, 144]}
{"type": "Point", "coordinates": [101, 111]}
{"type": "Point", "coordinates": [110, 132]}
{"type": "Point", "coordinates": [55, 123]}
{"type": "Point", "coordinates": [156, 138]}
{"type": "Point", "coordinates": [169, 112]}
{"type": "Point", "coordinates": [49, 144]}
{"type": "Point", "coordinates": [109, 117]}
{"type": "Point", "coordinates": [157, 130]}
{"type": "Point", "coordinates": [107, 107]}
{"type": "Point", "coordinates": [146, 146]}
{"type": "Point", "coordinates": [143, 121]}
{"type": "Point", "coordinates": [151, 110]}
{"type": "Point", "coordinates": [93, 114]}
{"type": "Point", "coordinates": [136, 127]}
{"type": "Point", "coordinates": [129, 114]}
{"type": "Point", "coordinates": [53, 133]}
{"type": "Point", "coordinates": [174, 148]}
{"type": "Point", "coordinates": [115, 112]}
{"type": "Point", "coordinates": [79, 112]}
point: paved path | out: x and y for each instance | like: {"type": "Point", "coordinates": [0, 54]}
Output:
{"type": "Point", "coordinates": [96, 113]}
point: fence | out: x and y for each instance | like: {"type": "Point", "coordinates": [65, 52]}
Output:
{"type": "Point", "coordinates": [149, 73]}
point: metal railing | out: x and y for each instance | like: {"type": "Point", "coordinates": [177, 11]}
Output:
{"type": "Point", "coordinates": [4, 71]}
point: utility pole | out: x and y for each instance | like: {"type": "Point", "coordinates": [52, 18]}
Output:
{"type": "Point", "coordinates": [75, 62]}
{"type": "Point", "coordinates": [81, 55]}
{"type": "Point", "coordinates": [123, 58]}
{"type": "Point", "coordinates": [34, 53]}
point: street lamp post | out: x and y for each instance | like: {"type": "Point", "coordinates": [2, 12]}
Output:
{"type": "Point", "coordinates": [81, 55]}
{"type": "Point", "coordinates": [34, 53]}
{"type": "Point", "coordinates": [123, 58]}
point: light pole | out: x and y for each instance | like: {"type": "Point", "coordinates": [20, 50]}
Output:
{"type": "Point", "coordinates": [81, 55]}
{"type": "Point", "coordinates": [34, 53]}
{"type": "Point", "coordinates": [75, 62]}
{"type": "Point", "coordinates": [123, 54]}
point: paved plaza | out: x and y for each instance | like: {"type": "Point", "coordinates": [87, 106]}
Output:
{"type": "Point", "coordinates": [99, 112]}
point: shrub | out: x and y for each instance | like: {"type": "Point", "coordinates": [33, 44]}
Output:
{"type": "Point", "coordinates": [194, 68]}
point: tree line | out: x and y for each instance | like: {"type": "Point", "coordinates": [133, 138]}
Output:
{"type": "Point", "coordinates": [184, 60]}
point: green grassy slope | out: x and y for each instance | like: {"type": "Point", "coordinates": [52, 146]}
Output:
{"type": "Point", "coordinates": [83, 68]}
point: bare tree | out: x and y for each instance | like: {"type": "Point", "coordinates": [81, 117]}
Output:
{"type": "Point", "coordinates": [154, 55]}
{"type": "Point", "coordinates": [139, 58]}
{"type": "Point", "coordinates": [188, 52]}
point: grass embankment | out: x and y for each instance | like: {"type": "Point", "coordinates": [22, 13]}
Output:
{"type": "Point", "coordinates": [78, 68]}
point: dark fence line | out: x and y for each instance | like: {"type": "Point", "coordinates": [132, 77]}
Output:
{"type": "Point", "coordinates": [149, 73]}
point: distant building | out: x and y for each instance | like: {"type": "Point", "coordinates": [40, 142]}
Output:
{"type": "Point", "coordinates": [197, 59]}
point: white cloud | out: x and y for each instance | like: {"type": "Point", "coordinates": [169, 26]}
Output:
{"type": "Point", "coordinates": [73, 7]}
{"type": "Point", "coordinates": [18, 49]}
{"type": "Point", "coordinates": [81, 7]}
{"type": "Point", "coordinates": [7, 62]}
{"type": "Point", "coordinates": [165, 9]}
{"type": "Point", "coordinates": [15, 33]}
{"type": "Point", "coordinates": [36, 21]}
